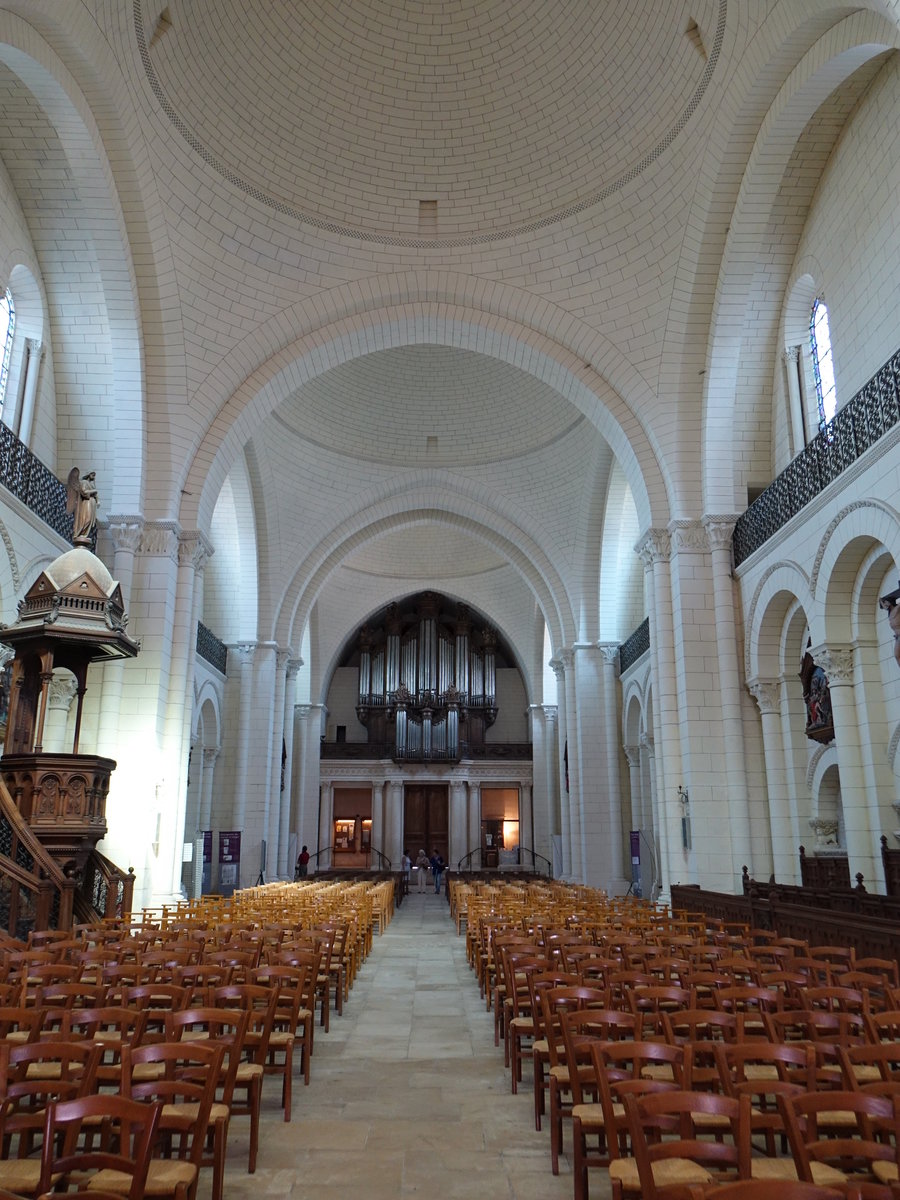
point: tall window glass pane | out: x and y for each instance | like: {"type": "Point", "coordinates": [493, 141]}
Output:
{"type": "Point", "coordinates": [7, 329]}
{"type": "Point", "coordinates": [823, 362]}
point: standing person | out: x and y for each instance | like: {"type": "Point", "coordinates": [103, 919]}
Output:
{"type": "Point", "coordinates": [405, 868]}
{"type": "Point", "coordinates": [421, 867]}
{"type": "Point", "coordinates": [437, 869]}
{"type": "Point", "coordinates": [303, 863]}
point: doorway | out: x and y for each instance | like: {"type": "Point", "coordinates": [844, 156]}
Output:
{"type": "Point", "coordinates": [426, 826]}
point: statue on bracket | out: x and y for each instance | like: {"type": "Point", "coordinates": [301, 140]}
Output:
{"type": "Point", "coordinates": [817, 697]}
{"type": "Point", "coordinates": [891, 605]}
{"type": "Point", "coordinates": [82, 502]}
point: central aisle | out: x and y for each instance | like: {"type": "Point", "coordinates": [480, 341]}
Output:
{"type": "Point", "coordinates": [408, 1095]}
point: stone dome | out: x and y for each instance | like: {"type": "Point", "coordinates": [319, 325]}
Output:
{"type": "Point", "coordinates": [77, 562]}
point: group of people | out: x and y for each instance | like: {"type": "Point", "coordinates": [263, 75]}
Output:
{"type": "Point", "coordinates": [423, 864]}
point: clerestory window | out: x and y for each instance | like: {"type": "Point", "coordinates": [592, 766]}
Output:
{"type": "Point", "coordinates": [823, 362]}
{"type": "Point", "coordinates": [7, 330]}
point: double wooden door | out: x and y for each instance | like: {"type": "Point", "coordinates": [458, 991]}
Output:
{"type": "Point", "coordinates": [426, 819]}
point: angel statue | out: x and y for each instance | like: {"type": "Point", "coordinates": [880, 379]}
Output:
{"type": "Point", "coordinates": [82, 502]}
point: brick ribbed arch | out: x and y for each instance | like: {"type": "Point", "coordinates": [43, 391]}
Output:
{"type": "Point", "coordinates": [101, 221]}
{"type": "Point", "coordinates": [831, 60]}
{"type": "Point", "coordinates": [409, 508]}
{"type": "Point", "coordinates": [422, 308]}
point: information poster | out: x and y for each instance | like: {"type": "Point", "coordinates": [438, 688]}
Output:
{"type": "Point", "coordinates": [229, 860]}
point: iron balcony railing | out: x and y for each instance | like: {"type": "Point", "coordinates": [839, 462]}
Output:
{"type": "Point", "coordinates": [858, 425]}
{"type": "Point", "coordinates": [23, 474]}
{"type": "Point", "coordinates": [211, 648]}
{"type": "Point", "coordinates": [636, 645]}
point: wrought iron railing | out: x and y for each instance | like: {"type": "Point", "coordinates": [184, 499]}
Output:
{"type": "Point", "coordinates": [23, 474]}
{"type": "Point", "coordinates": [858, 425]}
{"type": "Point", "coordinates": [636, 645]}
{"type": "Point", "coordinates": [210, 648]}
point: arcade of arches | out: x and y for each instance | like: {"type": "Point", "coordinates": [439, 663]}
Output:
{"type": "Point", "coordinates": [423, 354]}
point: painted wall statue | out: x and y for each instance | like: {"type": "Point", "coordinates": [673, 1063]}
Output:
{"type": "Point", "coordinates": [82, 501]}
{"type": "Point", "coordinates": [891, 604]}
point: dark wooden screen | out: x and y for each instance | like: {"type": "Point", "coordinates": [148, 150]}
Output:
{"type": "Point", "coordinates": [426, 811]}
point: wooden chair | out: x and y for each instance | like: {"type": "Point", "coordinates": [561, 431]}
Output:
{"type": "Point", "coordinates": [181, 1077]}
{"type": "Point", "coordinates": [668, 1150]}
{"type": "Point", "coordinates": [556, 1002]}
{"type": "Point", "coordinates": [865, 1151]}
{"type": "Point", "coordinates": [763, 1071]}
{"type": "Point", "coordinates": [38, 1075]}
{"type": "Point", "coordinates": [228, 1029]}
{"type": "Point", "coordinates": [259, 1004]}
{"type": "Point", "coordinates": [539, 983]}
{"type": "Point", "coordinates": [111, 1029]}
{"type": "Point", "coordinates": [758, 1189]}
{"type": "Point", "coordinates": [599, 1131]}
{"type": "Point", "coordinates": [129, 1133]}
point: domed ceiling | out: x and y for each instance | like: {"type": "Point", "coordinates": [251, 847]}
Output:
{"type": "Point", "coordinates": [349, 113]}
{"type": "Point", "coordinates": [432, 406]}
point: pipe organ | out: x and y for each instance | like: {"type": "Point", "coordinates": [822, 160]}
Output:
{"type": "Point", "coordinates": [427, 680]}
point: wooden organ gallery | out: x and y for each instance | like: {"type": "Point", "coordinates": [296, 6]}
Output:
{"type": "Point", "coordinates": [427, 681]}
{"type": "Point", "coordinates": [424, 761]}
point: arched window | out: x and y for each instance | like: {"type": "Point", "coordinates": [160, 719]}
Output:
{"type": "Point", "coordinates": [823, 362]}
{"type": "Point", "coordinates": [7, 329]}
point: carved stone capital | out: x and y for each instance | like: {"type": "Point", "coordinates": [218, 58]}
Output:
{"type": "Point", "coordinates": [243, 652]}
{"type": "Point", "coordinates": [826, 832]}
{"type": "Point", "coordinates": [282, 658]}
{"type": "Point", "coordinates": [646, 742]}
{"type": "Point", "coordinates": [719, 531]}
{"type": "Point", "coordinates": [292, 668]}
{"type": "Point", "coordinates": [610, 653]}
{"type": "Point", "coordinates": [558, 668]}
{"type": "Point", "coordinates": [125, 533]}
{"type": "Point", "coordinates": [159, 539]}
{"type": "Point", "coordinates": [837, 664]}
{"type": "Point", "coordinates": [61, 693]}
{"type": "Point", "coordinates": [209, 758]}
{"type": "Point", "coordinates": [633, 754]}
{"type": "Point", "coordinates": [689, 536]}
{"type": "Point", "coordinates": [654, 546]}
{"type": "Point", "coordinates": [551, 712]}
{"type": "Point", "coordinates": [790, 355]}
{"type": "Point", "coordinates": [194, 550]}
{"type": "Point", "coordinates": [567, 658]}
{"type": "Point", "coordinates": [766, 693]}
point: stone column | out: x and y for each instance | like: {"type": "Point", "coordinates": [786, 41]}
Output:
{"type": "Point", "coordinates": [719, 530]}
{"type": "Point", "coordinates": [125, 534]}
{"type": "Point", "coordinates": [791, 359]}
{"type": "Point", "coordinates": [326, 825]}
{"type": "Point", "coordinates": [285, 866]}
{"type": "Point", "coordinates": [458, 821]}
{"type": "Point", "coordinates": [633, 756]}
{"type": "Point", "coordinates": [859, 809]}
{"type": "Point", "coordinates": [306, 814]}
{"type": "Point", "coordinates": [275, 799]}
{"type": "Point", "coordinates": [766, 693]}
{"type": "Point", "coordinates": [619, 878]}
{"type": "Point", "coordinates": [526, 824]}
{"type": "Point", "coordinates": [393, 821]}
{"type": "Point", "coordinates": [240, 665]}
{"type": "Point", "coordinates": [377, 819]}
{"type": "Point", "coordinates": [206, 788]}
{"type": "Point", "coordinates": [193, 553]}
{"type": "Point", "coordinates": [654, 549]}
{"type": "Point", "coordinates": [545, 800]}
{"type": "Point", "coordinates": [475, 824]}
{"type": "Point", "coordinates": [63, 687]}
{"type": "Point", "coordinates": [565, 760]}
{"type": "Point", "coordinates": [652, 840]}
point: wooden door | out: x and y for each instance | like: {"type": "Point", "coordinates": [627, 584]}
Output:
{"type": "Point", "coordinates": [426, 818]}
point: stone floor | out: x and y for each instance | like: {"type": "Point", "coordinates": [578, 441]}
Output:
{"type": "Point", "coordinates": [408, 1094]}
